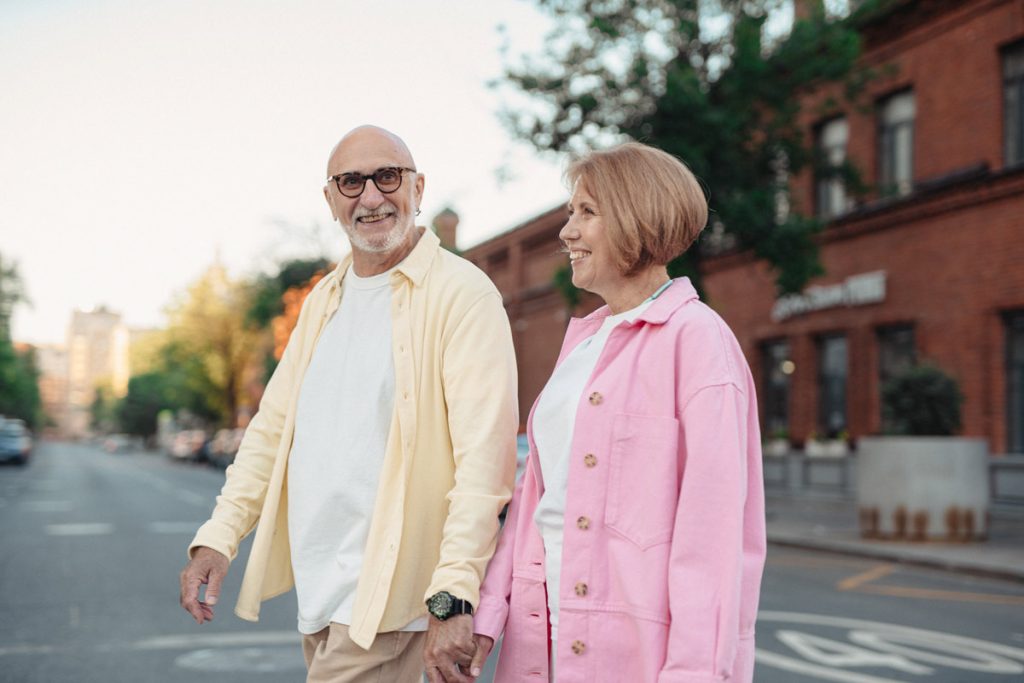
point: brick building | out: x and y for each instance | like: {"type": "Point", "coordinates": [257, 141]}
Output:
{"type": "Point", "coordinates": [930, 267]}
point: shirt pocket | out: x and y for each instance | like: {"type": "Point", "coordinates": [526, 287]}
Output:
{"type": "Point", "coordinates": [643, 480]}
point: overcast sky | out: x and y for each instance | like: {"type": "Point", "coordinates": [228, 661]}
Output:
{"type": "Point", "coordinates": [140, 139]}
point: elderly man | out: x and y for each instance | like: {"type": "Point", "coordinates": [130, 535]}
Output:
{"type": "Point", "coordinates": [383, 449]}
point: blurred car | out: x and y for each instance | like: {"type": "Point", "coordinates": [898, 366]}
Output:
{"type": "Point", "coordinates": [224, 445]}
{"type": "Point", "coordinates": [15, 442]}
{"type": "Point", "coordinates": [120, 443]}
{"type": "Point", "coordinates": [188, 444]}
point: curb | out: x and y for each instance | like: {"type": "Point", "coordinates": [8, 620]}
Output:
{"type": "Point", "coordinates": [895, 554]}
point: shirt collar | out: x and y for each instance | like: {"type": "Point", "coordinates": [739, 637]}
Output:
{"type": "Point", "coordinates": [680, 292]}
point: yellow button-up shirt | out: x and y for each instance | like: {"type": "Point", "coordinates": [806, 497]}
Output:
{"type": "Point", "coordinates": [449, 464]}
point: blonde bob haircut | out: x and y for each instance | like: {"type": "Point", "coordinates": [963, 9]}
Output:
{"type": "Point", "coordinates": [652, 205]}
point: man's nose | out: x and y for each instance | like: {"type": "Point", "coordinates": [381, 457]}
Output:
{"type": "Point", "coordinates": [371, 197]}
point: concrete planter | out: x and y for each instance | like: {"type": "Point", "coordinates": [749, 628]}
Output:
{"type": "Point", "coordinates": [923, 488]}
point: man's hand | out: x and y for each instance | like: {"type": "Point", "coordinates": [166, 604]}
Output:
{"type": "Point", "coordinates": [448, 653]}
{"type": "Point", "coordinates": [209, 567]}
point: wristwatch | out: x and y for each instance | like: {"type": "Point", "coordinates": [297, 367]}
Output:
{"type": "Point", "coordinates": [444, 605]}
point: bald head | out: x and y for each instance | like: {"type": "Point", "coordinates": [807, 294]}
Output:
{"type": "Point", "coordinates": [367, 148]}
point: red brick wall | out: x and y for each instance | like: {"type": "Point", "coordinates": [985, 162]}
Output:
{"type": "Point", "coordinates": [954, 264]}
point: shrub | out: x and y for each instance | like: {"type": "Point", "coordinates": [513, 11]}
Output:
{"type": "Point", "coordinates": [923, 401]}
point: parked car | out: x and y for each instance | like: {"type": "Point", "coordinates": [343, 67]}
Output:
{"type": "Point", "coordinates": [15, 442]}
{"type": "Point", "coordinates": [224, 445]}
{"type": "Point", "coordinates": [189, 444]}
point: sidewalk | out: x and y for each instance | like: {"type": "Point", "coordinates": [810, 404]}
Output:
{"type": "Point", "coordinates": [829, 522]}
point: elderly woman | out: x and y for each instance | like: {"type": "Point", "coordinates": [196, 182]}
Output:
{"type": "Point", "coordinates": [635, 540]}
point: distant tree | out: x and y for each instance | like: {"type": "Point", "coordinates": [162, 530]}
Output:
{"type": "Point", "coordinates": [706, 81]}
{"type": "Point", "coordinates": [267, 290]}
{"type": "Point", "coordinates": [103, 410]}
{"type": "Point", "coordinates": [12, 293]}
{"type": "Point", "coordinates": [19, 375]}
{"type": "Point", "coordinates": [147, 395]}
{"type": "Point", "coordinates": [19, 384]}
{"type": "Point", "coordinates": [213, 341]}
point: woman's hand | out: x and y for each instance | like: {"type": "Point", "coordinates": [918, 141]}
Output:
{"type": "Point", "coordinates": [484, 644]}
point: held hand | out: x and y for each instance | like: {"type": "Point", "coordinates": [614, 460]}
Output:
{"type": "Point", "coordinates": [449, 650]}
{"type": "Point", "coordinates": [208, 567]}
{"type": "Point", "coordinates": [484, 644]}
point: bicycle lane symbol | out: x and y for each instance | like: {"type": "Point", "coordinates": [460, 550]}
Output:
{"type": "Point", "coordinates": [838, 646]}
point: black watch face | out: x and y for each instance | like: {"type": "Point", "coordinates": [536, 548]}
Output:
{"type": "Point", "coordinates": [441, 605]}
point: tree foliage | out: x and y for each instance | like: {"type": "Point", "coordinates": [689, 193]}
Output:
{"type": "Point", "coordinates": [19, 384]}
{"type": "Point", "coordinates": [704, 80]}
{"type": "Point", "coordinates": [212, 343]}
{"type": "Point", "coordinates": [19, 375]}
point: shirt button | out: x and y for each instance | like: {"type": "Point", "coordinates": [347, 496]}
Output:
{"type": "Point", "coordinates": [590, 460]}
{"type": "Point", "coordinates": [581, 589]}
{"type": "Point", "coordinates": [579, 647]}
{"type": "Point", "coordinates": [583, 523]}
{"type": "Point", "coordinates": [596, 398]}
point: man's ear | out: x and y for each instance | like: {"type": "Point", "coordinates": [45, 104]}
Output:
{"type": "Point", "coordinates": [420, 182]}
{"type": "Point", "coordinates": [330, 205]}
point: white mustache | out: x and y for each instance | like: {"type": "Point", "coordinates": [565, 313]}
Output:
{"type": "Point", "coordinates": [382, 209]}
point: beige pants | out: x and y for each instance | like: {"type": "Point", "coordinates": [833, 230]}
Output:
{"type": "Point", "coordinates": [395, 657]}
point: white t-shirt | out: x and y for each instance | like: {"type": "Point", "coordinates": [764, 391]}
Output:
{"type": "Point", "coordinates": [341, 430]}
{"type": "Point", "coordinates": [554, 422]}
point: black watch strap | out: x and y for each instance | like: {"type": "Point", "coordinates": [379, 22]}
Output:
{"type": "Point", "coordinates": [443, 605]}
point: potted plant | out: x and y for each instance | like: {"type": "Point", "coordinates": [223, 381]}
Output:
{"type": "Point", "coordinates": [777, 445]}
{"type": "Point", "coordinates": [920, 481]}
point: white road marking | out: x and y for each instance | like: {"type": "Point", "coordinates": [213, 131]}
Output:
{"type": "Point", "coordinates": [47, 505]}
{"type": "Point", "coordinates": [184, 642]}
{"type": "Point", "coordinates": [174, 527]}
{"type": "Point", "coordinates": [95, 529]}
{"type": "Point", "coordinates": [27, 650]}
{"type": "Point", "coordinates": [822, 672]}
{"type": "Point", "coordinates": [193, 497]}
{"type": "Point", "coordinates": [177, 642]}
{"type": "Point", "coordinates": [906, 644]}
{"type": "Point", "coordinates": [254, 659]}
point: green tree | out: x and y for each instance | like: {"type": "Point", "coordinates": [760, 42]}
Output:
{"type": "Point", "coordinates": [212, 344]}
{"type": "Point", "coordinates": [266, 290]}
{"type": "Point", "coordinates": [704, 80]}
{"type": "Point", "coordinates": [103, 410]}
{"type": "Point", "coordinates": [12, 293]}
{"type": "Point", "coordinates": [19, 384]}
{"type": "Point", "coordinates": [19, 375]}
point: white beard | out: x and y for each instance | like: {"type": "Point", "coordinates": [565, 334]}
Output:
{"type": "Point", "coordinates": [378, 244]}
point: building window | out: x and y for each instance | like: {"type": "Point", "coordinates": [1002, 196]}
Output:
{"type": "Point", "coordinates": [896, 355]}
{"type": "Point", "coordinates": [777, 368]}
{"type": "Point", "coordinates": [896, 144]}
{"type": "Point", "coordinates": [1015, 382]}
{"type": "Point", "coordinates": [830, 191]}
{"type": "Point", "coordinates": [832, 373]}
{"type": "Point", "coordinates": [1013, 103]}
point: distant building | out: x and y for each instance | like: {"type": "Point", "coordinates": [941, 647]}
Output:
{"type": "Point", "coordinates": [52, 362]}
{"type": "Point", "coordinates": [97, 349]}
{"type": "Point", "coordinates": [931, 268]}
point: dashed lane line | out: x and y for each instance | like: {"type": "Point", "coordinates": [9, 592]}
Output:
{"type": "Point", "coordinates": [173, 642]}
{"type": "Point", "coordinates": [94, 529]}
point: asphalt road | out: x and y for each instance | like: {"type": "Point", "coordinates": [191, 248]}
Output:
{"type": "Point", "coordinates": [93, 543]}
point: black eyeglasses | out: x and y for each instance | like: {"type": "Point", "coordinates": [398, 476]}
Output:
{"type": "Point", "coordinates": [387, 180]}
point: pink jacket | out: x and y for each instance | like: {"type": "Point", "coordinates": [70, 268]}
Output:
{"type": "Point", "coordinates": [664, 524]}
